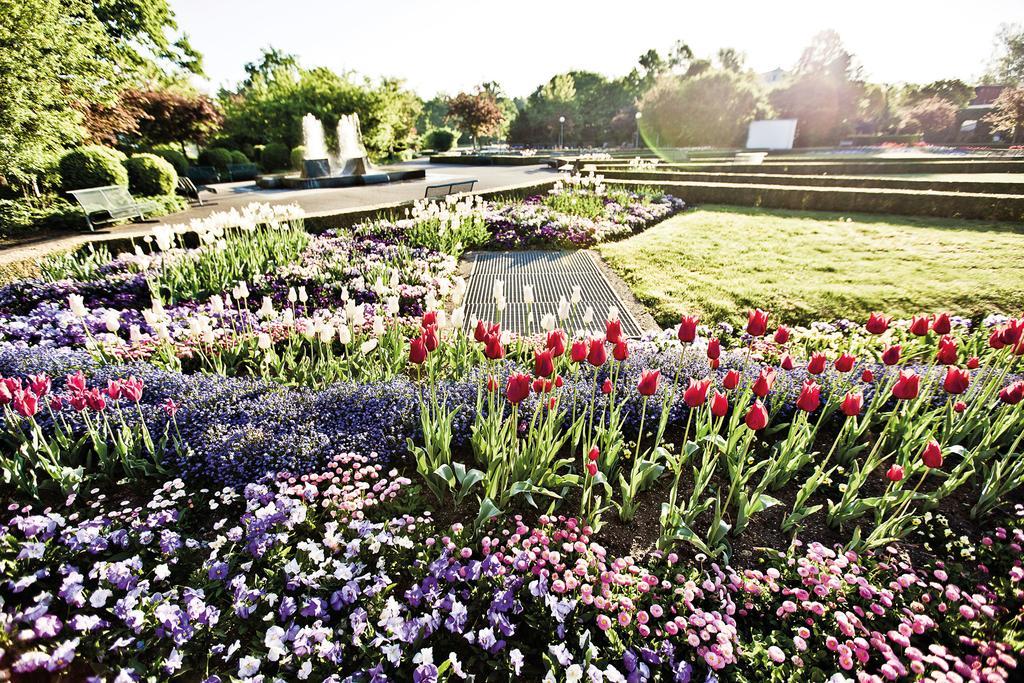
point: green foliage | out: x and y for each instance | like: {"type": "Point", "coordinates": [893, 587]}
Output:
{"type": "Point", "coordinates": [596, 110]}
{"type": "Point", "coordinates": [175, 159]}
{"type": "Point", "coordinates": [218, 157]}
{"type": "Point", "coordinates": [441, 139]}
{"type": "Point", "coordinates": [92, 166]}
{"type": "Point", "coordinates": [270, 104]}
{"type": "Point", "coordinates": [934, 117]}
{"type": "Point", "coordinates": [238, 157]}
{"type": "Point", "coordinates": [1008, 66]}
{"type": "Point", "coordinates": [713, 109]}
{"type": "Point", "coordinates": [149, 174]}
{"type": "Point", "coordinates": [808, 266]}
{"type": "Point", "coordinates": [297, 156]}
{"type": "Point", "coordinates": [23, 216]}
{"type": "Point", "coordinates": [275, 157]}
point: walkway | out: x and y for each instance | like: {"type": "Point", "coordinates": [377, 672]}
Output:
{"type": "Point", "coordinates": [237, 195]}
{"type": "Point", "coordinates": [552, 274]}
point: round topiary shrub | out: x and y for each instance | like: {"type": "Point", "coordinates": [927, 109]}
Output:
{"type": "Point", "coordinates": [176, 159]}
{"type": "Point", "coordinates": [276, 156]}
{"type": "Point", "coordinates": [92, 166]}
{"type": "Point", "coordinates": [151, 175]}
{"type": "Point", "coordinates": [238, 157]}
{"type": "Point", "coordinates": [298, 154]}
{"type": "Point", "coordinates": [441, 139]}
{"type": "Point", "coordinates": [218, 157]}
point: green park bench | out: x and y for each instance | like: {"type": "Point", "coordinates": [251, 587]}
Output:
{"type": "Point", "coordinates": [443, 189]}
{"type": "Point", "coordinates": [110, 203]}
{"type": "Point", "coordinates": [242, 171]}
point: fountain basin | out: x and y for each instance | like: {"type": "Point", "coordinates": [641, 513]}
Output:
{"type": "Point", "coordinates": [297, 182]}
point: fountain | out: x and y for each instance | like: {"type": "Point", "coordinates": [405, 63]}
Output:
{"type": "Point", "coordinates": [348, 167]}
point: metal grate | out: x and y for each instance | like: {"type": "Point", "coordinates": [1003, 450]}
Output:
{"type": "Point", "coordinates": [553, 274]}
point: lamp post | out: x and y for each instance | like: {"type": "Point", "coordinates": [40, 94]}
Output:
{"type": "Point", "coordinates": [636, 141]}
{"type": "Point", "coordinates": [561, 130]}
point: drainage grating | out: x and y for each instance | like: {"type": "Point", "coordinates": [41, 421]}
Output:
{"type": "Point", "coordinates": [553, 274]}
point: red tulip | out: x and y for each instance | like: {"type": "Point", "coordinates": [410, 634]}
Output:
{"type": "Point", "coordinates": [688, 328]}
{"type": "Point", "coordinates": [919, 325]}
{"type": "Point", "coordinates": [594, 454]}
{"type": "Point", "coordinates": [132, 389]}
{"type": "Point", "coordinates": [757, 322]}
{"type": "Point", "coordinates": [517, 388]}
{"type": "Point", "coordinates": [714, 363]}
{"type": "Point", "coordinates": [941, 325]}
{"type": "Point", "coordinates": [696, 394]}
{"type": "Point", "coordinates": [95, 400]}
{"type": "Point", "coordinates": [787, 362]}
{"type": "Point", "coordinates": [959, 406]}
{"type": "Point", "coordinates": [6, 395]}
{"type": "Point", "coordinates": [648, 383]}
{"type": "Point", "coordinates": [877, 323]}
{"type": "Point", "coordinates": [75, 382]}
{"type": "Point", "coordinates": [606, 387]}
{"type": "Point", "coordinates": [620, 351]}
{"type": "Point", "coordinates": [1012, 394]}
{"type": "Point", "coordinates": [25, 402]}
{"type": "Point", "coordinates": [852, 404]}
{"type": "Point", "coordinates": [592, 469]}
{"type": "Point", "coordinates": [719, 404]}
{"type": "Point", "coordinates": [429, 318]}
{"type": "Point", "coordinates": [417, 350]}
{"type": "Point", "coordinates": [1012, 332]}
{"type": "Point", "coordinates": [578, 351]}
{"type": "Point", "coordinates": [891, 355]}
{"type": "Point", "coordinates": [757, 416]}
{"type": "Point", "coordinates": [995, 340]}
{"type": "Point", "coordinates": [56, 403]}
{"type": "Point", "coordinates": [613, 331]}
{"type": "Point", "coordinates": [430, 338]}
{"type": "Point", "coordinates": [493, 349]}
{"type": "Point", "coordinates": [492, 383]}
{"type": "Point", "coordinates": [558, 381]}
{"type": "Point", "coordinates": [764, 382]}
{"type": "Point", "coordinates": [731, 379]}
{"type": "Point", "coordinates": [596, 356]}
{"type": "Point", "coordinates": [114, 389]}
{"type": "Point", "coordinates": [845, 362]}
{"type": "Point", "coordinates": [907, 385]}
{"type": "Point", "coordinates": [12, 383]}
{"type": "Point", "coordinates": [932, 455]}
{"type": "Point", "coordinates": [810, 396]}
{"type": "Point", "coordinates": [40, 384]}
{"type": "Point", "coordinates": [956, 381]}
{"type": "Point", "coordinates": [556, 342]}
{"type": "Point", "coordinates": [781, 335]}
{"type": "Point", "coordinates": [867, 376]}
{"type": "Point", "coordinates": [973, 363]}
{"type": "Point", "coordinates": [480, 333]}
{"type": "Point", "coordinates": [714, 349]}
{"type": "Point", "coordinates": [816, 365]}
{"type": "Point", "coordinates": [542, 386]}
{"type": "Point", "coordinates": [895, 473]}
{"type": "Point", "coordinates": [78, 401]}
{"type": "Point", "coordinates": [947, 350]}
{"type": "Point", "coordinates": [543, 364]}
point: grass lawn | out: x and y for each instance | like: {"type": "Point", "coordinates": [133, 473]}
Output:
{"type": "Point", "coordinates": [719, 261]}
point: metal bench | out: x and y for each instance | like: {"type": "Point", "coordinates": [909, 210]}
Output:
{"type": "Point", "coordinates": [433, 191]}
{"type": "Point", "coordinates": [242, 171]}
{"type": "Point", "coordinates": [186, 188]}
{"type": "Point", "coordinates": [203, 175]}
{"type": "Point", "coordinates": [110, 203]}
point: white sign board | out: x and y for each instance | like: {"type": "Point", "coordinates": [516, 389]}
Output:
{"type": "Point", "coordinates": [773, 134]}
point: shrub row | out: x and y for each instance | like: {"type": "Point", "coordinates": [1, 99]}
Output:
{"type": "Point", "coordinates": [900, 202]}
{"type": "Point", "coordinates": [97, 166]}
{"type": "Point", "coordinates": [849, 167]}
{"type": "Point", "coordinates": [881, 183]}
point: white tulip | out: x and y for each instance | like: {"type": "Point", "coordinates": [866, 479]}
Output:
{"type": "Point", "coordinates": [548, 322]}
{"type": "Point", "coordinates": [588, 315]}
{"type": "Point", "coordinates": [77, 305]}
{"type": "Point", "coordinates": [378, 326]}
{"type": "Point", "coordinates": [563, 308]}
{"type": "Point", "coordinates": [613, 313]}
{"type": "Point", "coordinates": [293, 296]}
{"type": "Point", "coordinates": [112, 320]}
{"type": "Point", "coordinates": [458, 317]}
{"type": "Point", "coordinates": [500, 303]}
{"type": "Point", "coordinates": [367, 346]}
{"type": "Point", "coordinates": [303, 297]}
{"type": "Point", "coordinates": [264, 341]}
{"type": "Point", "coordinates": [528, 295]}
{"type": "Point", "coordinates": [344, 335]}
{"type": "Point", "coordinates": [577, 295]}
{"type": "Point", "coordinates": [267, 309]}
{"type": "Point", "coordinates": [498, 289]}
{"type": "Point", "coordinates": [216, 304]}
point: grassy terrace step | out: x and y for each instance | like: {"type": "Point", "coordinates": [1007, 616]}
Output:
{"type": "Point", "coordinates": [877, 182]}
{"type": "Point", "coordinates": [873, 167]}
{"type": "Point", "coordinates": [996, 207]}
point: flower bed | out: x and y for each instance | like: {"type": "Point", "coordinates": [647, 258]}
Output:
{"type": "Point", "coordinates": [322, 471]}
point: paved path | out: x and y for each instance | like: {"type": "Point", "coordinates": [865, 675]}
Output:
{"type": "Point", "coordinates": [231, 195]}
{"type": "Point", "coordinates": [552, 274]}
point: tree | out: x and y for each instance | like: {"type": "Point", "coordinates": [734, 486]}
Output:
{"type": "Point", "coordinates": [143, 37]}
{"type": "Point", "coordinates": [46, 65]}
{"type": "Point", "coordinates": [1007, 66]}
{"type": "Point", "coordinates": [951, 90]}
{"type": "Point", "coordinates": [475, 114]}
{"type": "Point", "coordinates": [1007, 115]}
{"type": "Point", "coordinates": [935, 117]}
{"type": "Point", "coordinates": [731, 59]}
{"type": "Point", "coordinates": [713, 108]}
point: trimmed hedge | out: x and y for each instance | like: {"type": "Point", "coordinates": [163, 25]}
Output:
{"type": "Point", "coordinates": [218, 157]}
{"type": "Point", "coordinates": [993, 207]}
{"type": "Point", "coordinates": [175, 158]}
{"type": "Point", "coordinates": [92, 166]}
{"type": "Point", "coordinates": [238, 157]}
{"type": "Point", "coordinates": [880, 183]}
{"type": "Point", "coordinates": [440, 139]}
{"type": "Point", "coordinates": [297, 155]}
{"type": "Point", "coordinates": [275, 157]}
{"type": "Point", "coordinates": [150, 175]}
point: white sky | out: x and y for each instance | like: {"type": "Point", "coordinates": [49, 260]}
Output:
{"type": "Point", "coordinates": [454, 45]}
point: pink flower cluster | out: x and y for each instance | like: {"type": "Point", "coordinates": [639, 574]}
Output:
{"type": "Point", "coordinates": [349, 485]}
